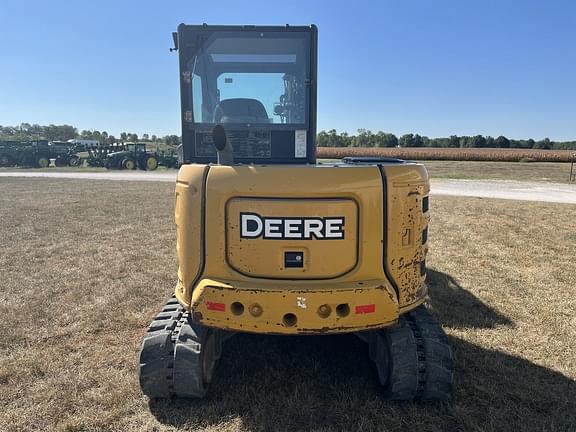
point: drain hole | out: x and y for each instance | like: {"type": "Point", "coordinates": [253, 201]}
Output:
{"type": "Point", "coordinates": [237, 308]}
{"type": "Point", "coordinates": [289, 320]}
{"type": "Point", "coordinates": [342, 310]}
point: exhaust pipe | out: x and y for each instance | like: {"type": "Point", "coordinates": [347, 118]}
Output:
{"type": "Point", "coordinates": [224, 150]}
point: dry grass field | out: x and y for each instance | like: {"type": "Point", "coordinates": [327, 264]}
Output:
{"type": "Point", "coordinates": [85, 266]}
{"type": "Point", "coordinates": [558, 172]}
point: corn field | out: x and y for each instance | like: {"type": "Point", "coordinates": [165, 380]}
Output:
{"type": "Point", "coordinates": [460, 154]}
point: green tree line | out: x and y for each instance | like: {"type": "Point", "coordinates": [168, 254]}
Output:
{"type": "Point", "coordinates": [31, 132]}
{"type": "Point", "coordinates": [366, 138]}
{"type": "Point", "coordinates": [331, 138]}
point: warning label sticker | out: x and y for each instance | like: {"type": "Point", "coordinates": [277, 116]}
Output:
{"type": "Point", "coordinates": [300, 144]}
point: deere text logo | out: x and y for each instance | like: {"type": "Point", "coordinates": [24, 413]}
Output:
{"type": "Point", "coordinates": [253, 226]}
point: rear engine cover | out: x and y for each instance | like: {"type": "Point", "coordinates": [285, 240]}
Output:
{"type": "Point", "coordinates": [291, 238]}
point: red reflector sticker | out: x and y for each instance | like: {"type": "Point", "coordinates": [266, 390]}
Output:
{"type": "Point", "coordinates": [220, 307]}
{"type": "Point", "coordinates": [364, 309]}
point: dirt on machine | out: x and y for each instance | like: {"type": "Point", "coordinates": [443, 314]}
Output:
{"type": "Point", "coordinates": [270, 241]}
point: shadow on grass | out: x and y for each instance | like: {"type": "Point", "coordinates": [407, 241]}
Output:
{"type": "Point", "coordinates": [456, 307]}
{"type": "Point", "coordinates": [275, 383]}
{"type": "Point", "coordinates": [328, 383]}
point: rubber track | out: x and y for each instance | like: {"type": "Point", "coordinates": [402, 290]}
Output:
{"type": "Point", "coordinates": [413, 359]}
{"type": "Point", "coordinates": [171, 355]}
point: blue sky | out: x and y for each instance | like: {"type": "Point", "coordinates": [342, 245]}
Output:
{"type": "Point", "coordinates": [430, 67]}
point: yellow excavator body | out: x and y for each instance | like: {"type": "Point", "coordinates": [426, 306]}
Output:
{"type": "Point", "coordinates": [358, 236]}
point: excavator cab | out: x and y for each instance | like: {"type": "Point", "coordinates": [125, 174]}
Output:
{"type": "Point", "coordinates": [259, 83]}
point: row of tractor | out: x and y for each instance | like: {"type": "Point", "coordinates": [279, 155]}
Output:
{"type": "Point", "coordinates": [34, 154]}
{"type": "Point", "coordinates": [41, 154]}
{"type": "Point", "coordinates": [130, 156]}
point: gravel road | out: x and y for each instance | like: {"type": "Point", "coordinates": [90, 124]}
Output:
{"type": "Point", "coordinates": [503, 189]}
{"type": "Point", "coordinates": [507, 189]}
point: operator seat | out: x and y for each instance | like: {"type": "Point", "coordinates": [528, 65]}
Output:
{"type": "Point", "coordinates": [240, 110]}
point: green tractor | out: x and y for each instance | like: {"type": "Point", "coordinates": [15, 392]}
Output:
{"type": "Point", "coordinates": [131, 157]}
{"type": "Point", "coordinates": [168, 159]}
{"type": "Point", "coordinates": [36, 154]}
